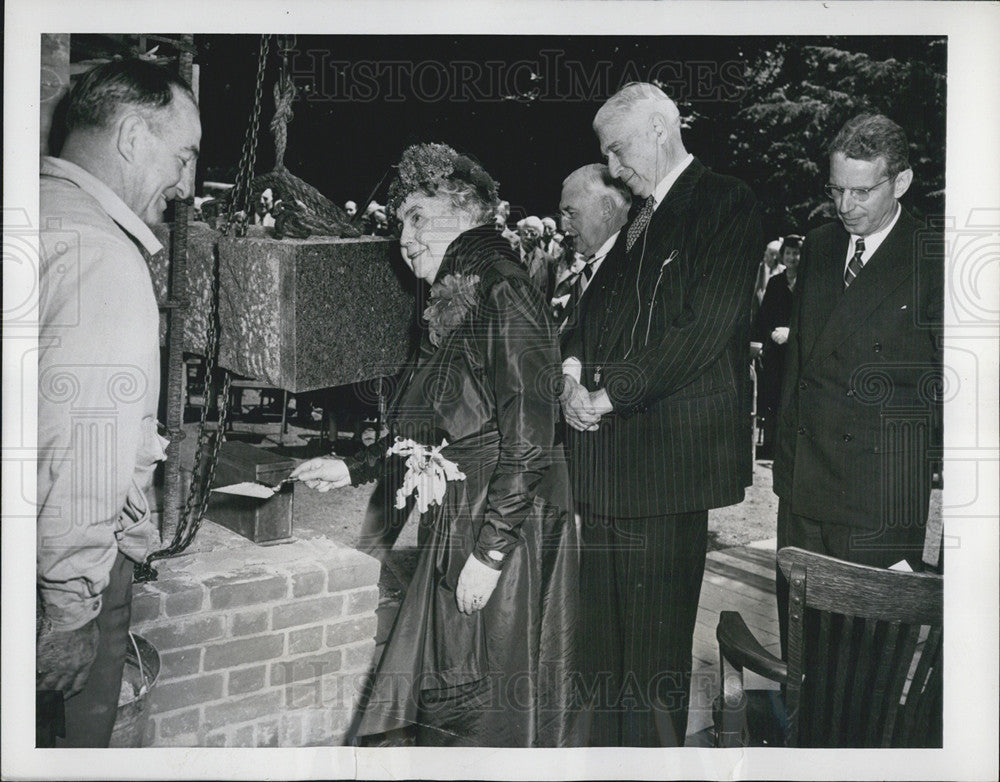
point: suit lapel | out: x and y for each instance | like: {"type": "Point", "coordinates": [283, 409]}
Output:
{"type": "Point", "coordinates": [605, 301]}
{"type": "Point", "coordinates": [824, 265]}
{"type": "Point", "coordinates": [890, 267]}
{"type": "Point", "coordinates": [666, 226]}
{"type": "Point", "coordinates": [675, 204]}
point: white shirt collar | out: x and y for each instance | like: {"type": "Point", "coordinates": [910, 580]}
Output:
{"type": "Point", "coordinates": [599, 257]}
{"type": "Point", "coordinates": [105, 196]}
{"type": "Point", "coordinates": [664, 185]}
{"type": "Point", "coordinates": [872, 241]}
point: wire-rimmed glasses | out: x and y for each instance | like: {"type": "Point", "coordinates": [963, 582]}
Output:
{"type": "Point", "coordinates": [859, 194]}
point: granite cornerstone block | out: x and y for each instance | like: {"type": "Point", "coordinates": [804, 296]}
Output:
{"type": "Point", "coordinates": [303, 314]}
{"type": "Point", "coordinates": [298, 314]}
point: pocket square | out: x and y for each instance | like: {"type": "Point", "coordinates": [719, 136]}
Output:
{"type": "Point", "coordinates": [904, 307]}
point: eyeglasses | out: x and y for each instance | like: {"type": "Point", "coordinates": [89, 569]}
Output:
{"type": "Point", "coordinates": [859, 194]}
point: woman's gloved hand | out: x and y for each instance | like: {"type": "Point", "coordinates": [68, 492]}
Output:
{"type": "Point", "coordinates": [323, 473]}
{"type": "Point", "coordinates": [476, 583]}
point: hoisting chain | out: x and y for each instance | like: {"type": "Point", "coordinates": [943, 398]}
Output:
{"type": "Point", "coordinates": [202, 477]}
{"type": "Point", "coordinates": [240, 200]}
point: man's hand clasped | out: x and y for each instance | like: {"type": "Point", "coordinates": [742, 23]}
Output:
{"type": "Point", "coordinates": [578, 405]}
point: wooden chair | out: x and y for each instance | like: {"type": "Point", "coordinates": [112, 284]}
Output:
{"type": "Point", "coordinates": [864, 660]}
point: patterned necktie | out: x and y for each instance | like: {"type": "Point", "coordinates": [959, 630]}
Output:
{"type": "Point", "coordinates": [854, 266]}
{"type": "Point", "coordinates": [639, 224]}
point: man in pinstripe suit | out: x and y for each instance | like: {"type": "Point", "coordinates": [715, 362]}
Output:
{"type": "Point", "coordinates": [655, 393]}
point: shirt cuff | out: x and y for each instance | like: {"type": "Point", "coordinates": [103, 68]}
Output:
{"type": "Point", "coordinates": [601, 401]}
{"type": "Point", "coordinates": [573, 367]}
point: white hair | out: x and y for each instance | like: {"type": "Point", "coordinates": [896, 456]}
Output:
{"type": "Point", "coordinates": [633, 97]}
{"type": "Point", "coordinates": [530, 222]}
{"type": "Point", "coordinates": [596, 178]}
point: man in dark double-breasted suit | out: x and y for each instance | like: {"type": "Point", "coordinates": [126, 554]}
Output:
{"type": "Point", "coordinates": [656, 376]}
{"type": "Point", "coordinates": [859, 415]}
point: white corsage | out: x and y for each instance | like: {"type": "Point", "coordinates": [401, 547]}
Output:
{"type": "Point", "coordinates": [427, 473]}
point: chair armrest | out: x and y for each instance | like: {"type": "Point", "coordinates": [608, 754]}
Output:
{"type": "Point", "coordinates": [738, 645]}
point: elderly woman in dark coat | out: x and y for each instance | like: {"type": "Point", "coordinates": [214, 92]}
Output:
{"type": "Point", "coordinates": [481, 651]}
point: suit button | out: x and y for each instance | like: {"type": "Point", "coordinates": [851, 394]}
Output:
{"type": "Point", "coordinates": [848, 438]}
{"type": "Point", "coordinates": [877, 347]}
{"type": "Point", "coordinates": [802, 430]}
{"type": "Point", "coordinates": [803, 385]}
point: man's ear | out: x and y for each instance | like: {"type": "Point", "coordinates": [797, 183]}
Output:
{"type": "Point", "coordinates": [607, 208]}
{"type": "Point", "coordinates": [131, 130]}
{"type": "Point", "coordinates": [902, 183]}
{"type": "Point", "coordinates": [659, 125]}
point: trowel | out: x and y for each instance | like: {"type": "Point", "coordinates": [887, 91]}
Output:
{"type": "Point", "coordinates": [253, 489]}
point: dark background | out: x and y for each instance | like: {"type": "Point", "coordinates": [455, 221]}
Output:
{"type": "Point", "coordinates": [761, 108]}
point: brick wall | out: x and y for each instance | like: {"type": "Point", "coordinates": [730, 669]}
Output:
{"type": "Point", "coordinates": [259, 646]}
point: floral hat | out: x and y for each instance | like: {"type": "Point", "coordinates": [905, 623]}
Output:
{"type": "Point", "coordinates": [425, 167]}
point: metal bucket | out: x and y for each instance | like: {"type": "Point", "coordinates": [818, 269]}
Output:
{"type": "Point", "coordinates": [142, 667]}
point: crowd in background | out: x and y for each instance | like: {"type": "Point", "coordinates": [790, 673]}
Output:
{"type": "Point", "coordinates": [626, 338]}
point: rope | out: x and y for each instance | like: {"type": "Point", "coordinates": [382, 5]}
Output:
{"type": "Point", "coordinates": [284, 94]}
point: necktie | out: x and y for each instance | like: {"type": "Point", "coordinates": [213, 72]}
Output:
{"type": "Point", "coordinates": [639, 224]}
{"type": "Point", "coordinates": [568, 290]}
{"type": "Point", "coordinates": [854, 266]}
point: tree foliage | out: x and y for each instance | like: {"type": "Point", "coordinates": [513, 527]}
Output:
{"type": "Point", "coordinates": [797, 98]}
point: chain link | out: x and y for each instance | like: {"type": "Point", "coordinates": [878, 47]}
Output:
{"type": "Point", "coordinates": [200, 488]}
{"type": "Point", "coordinates": [240, 201]}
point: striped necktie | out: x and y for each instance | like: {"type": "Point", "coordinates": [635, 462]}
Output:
{"type": "Point", "coordinates": [566, 293]}
{"type": "Point", "coordinates": [854, 266]}
{"type": "Point", "coordinates": [639, 224]}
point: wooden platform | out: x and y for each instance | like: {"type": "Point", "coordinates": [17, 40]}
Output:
{"type": "Point", "coordinates": [736, 579]}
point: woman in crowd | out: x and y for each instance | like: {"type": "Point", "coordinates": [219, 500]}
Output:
{"type": "Point", "coordinates": [481, 651]}
{"type": "Point", "coordinates": [770, 330]}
